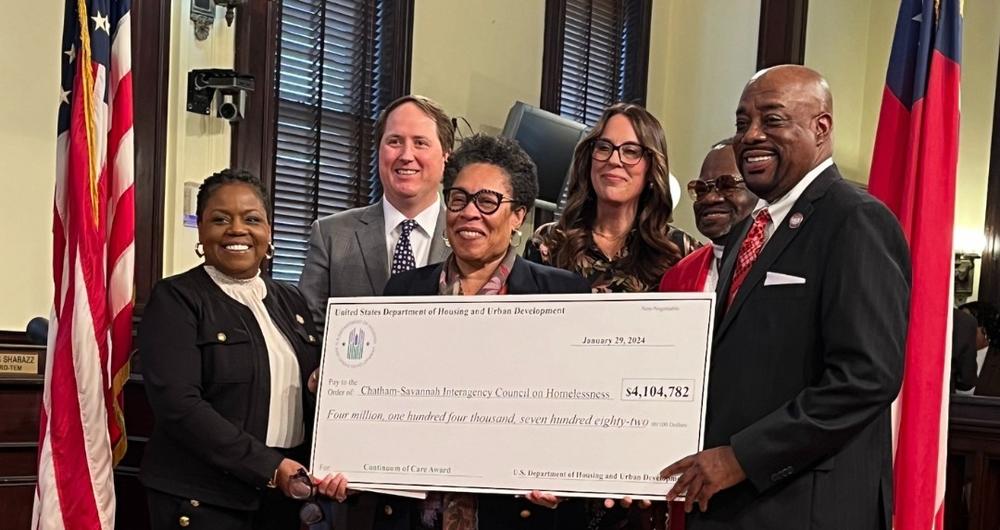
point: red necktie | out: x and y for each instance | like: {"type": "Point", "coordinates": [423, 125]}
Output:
{"type": "Point", "coordinates": [749, 251]}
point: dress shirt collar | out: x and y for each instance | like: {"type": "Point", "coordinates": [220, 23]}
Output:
{"type": "Point", "coordinates": [717, 251]}
{"type": "Point", "coordinates": [780, 208]}
{"type": "Point", "coordinates": [426, 219]}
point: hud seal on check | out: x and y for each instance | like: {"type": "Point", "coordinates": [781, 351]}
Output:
{"type": "Point", "coordinates": [355, 343]}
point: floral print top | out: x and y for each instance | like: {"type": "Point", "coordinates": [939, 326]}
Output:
{"type": "Point", "coordinates": [605, 274]}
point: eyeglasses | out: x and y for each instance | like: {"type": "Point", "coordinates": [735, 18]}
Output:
{"type": "Point", "coordinates": [486, 201]}
{"type": "Point", "coordinates": [724, 184]}
{"type": "Point", "coordinates": [630, 153]}
{"type": "Point", "coordinates": [301, 488]}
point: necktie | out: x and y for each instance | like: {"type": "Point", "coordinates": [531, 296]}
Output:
{"type": "Point", "coordinates": [749, 251]}
{"type": "Point", "coordinates": [402, 256]}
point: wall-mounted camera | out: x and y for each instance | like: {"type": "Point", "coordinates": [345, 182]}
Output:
{"type": "Point", "coordinates": [225, 90]}
{"type": "Point", "coordinates": [203, 14]}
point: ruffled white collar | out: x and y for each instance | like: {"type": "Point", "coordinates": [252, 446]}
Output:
{"type": "Point", "coordinates": [239, 289]}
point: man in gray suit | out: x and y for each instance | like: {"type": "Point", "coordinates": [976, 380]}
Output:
{"type": "Point", "coordinates": [352, 253]}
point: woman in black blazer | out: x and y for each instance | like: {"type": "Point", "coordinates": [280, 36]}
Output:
{"type": "Point", "coordinates": [227, 355]}
{"type": "Point", "coordinates": [489, 184]}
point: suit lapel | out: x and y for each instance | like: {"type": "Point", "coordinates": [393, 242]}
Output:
{"type": "Point", "coordinates": [370, 233]}
{"type": "Point", "coordinates": [521, 281]}
{"type": "Point", "coordinates": [438, 251]}
{"type": "Point", "coordinates": [775, 245]}
{"type": "Point", "coordinates": [735, 239]}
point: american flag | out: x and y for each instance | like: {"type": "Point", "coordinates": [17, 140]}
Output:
{"type": "Point", "coordinates": [81, 433]}
{"type": "Point", "coordinates": [913, 172]}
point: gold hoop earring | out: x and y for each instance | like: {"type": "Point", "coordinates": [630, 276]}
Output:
{"type": "Point", "coordinates": [270, 251]}
{"type": "Point", "coordinates": [199, 250]}
{"type": "Point", "coordinates": [519, 237]}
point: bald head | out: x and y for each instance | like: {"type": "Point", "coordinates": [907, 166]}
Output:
{"type": "Point", "coordinates": [807, 82]}
{"type": "Point", "coordinates": [784, 128]}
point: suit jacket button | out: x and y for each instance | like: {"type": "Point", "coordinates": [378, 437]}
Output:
{"type": "Point", "coordinates": [221, 336]}
{"type": "Point", "coordinates": [184, 521]}
{"type": "Point", "coordinates": [525, 514]}
{"type": "Point", "coordinates": [299, 319]}
{"type": "Point", "coordinates": [195, 503]}
{"type": "Point", "coordinates": [387, 509]}
{"type": "Point", "coordinates": [312, 339]}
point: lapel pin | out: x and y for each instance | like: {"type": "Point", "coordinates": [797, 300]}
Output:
{"type": "Point", "coordinates": [795, 220]}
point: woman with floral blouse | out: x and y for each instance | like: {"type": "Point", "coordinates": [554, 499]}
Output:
{"type": "Point", "coordinates": [614, 229]}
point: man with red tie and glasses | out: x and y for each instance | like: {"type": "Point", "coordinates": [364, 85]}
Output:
{"type": "Point", "coordinates": [807, 355]}
{"type": "Point", "coordinates": [721, 201]}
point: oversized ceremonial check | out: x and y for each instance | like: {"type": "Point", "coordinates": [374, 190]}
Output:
{"type": "Point", "coordinates": [579, 395]}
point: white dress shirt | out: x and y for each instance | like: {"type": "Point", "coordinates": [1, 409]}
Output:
{"type": "Point", "coordinates": [420, 237]}
{"type": "Point", "coordinates": [713, 268]}
{"type": "Point", "coordinates": [780, 208]}
{"type": "Point", "coordinates": [285, 427]}
{"type": "Point", "coordinates": [980, 358]}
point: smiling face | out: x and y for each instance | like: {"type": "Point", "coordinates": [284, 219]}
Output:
{"type": "Point", "coordinates": [234, 231]}
{"type": "Point", "coordinates": [783, 129]}
{"type": "Point", "coordinates": [410, 159]}
{"type": "Point", "coordinates": [613, 181]}
{"type": "Point", "coordinates": [476, 238]}
{"type": "Point", "coordinates": [717, 212]}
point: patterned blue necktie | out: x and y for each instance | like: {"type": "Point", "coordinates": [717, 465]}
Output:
{"type": "Point", "coordinates": [402, 256]}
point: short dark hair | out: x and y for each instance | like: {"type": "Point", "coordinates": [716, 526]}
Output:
{"type": "Point", "coordinates": [229, 176]}
{"type": "Point", "coordinates": [987, 317]}
{"type": "Point", "coordinates": [445, 127]}
{"type": "Point", "coordinates": [504, 153]}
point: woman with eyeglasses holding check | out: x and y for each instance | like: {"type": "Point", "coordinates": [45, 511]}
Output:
{"type": "Point", "coordinates": [615, 232]}
{"type": "Point", "coordinates": [615, 228]}
{"type": "Point", "coordinates": [489, 184]}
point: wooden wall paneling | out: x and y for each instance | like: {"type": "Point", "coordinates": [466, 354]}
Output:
{"type": "Point", "coordinates": [989, 277]}
{"type": "Point", "coordinates": [131, 512]}
{"type": "Point", "coordinates": [14, 338]}
{"type": "Point", "coordinates": [150, 81]}
{"type": "Point", "coordinates": [21, 398]}
{"type": "Point", "coordinates": [552, 53]}
{"type": "Point", "coordinates": [781, 38]}
{"type": "Point", "coordinates": [973, 471]}
{"type": "Point", "coordinates": [256, 53]}
{"type": "Point", "coordinates": [990, 509]}
{"type": "Point", "coordinates": [640, 68]}
{"type": "Point", "coordinates": [17, 501]}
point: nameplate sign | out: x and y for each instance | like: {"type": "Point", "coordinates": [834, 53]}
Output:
{"type": "Point", "coordinates": [14, 362]}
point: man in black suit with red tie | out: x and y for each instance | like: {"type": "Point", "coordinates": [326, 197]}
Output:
{"type": "Point", "coordinates": [809, 340]}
